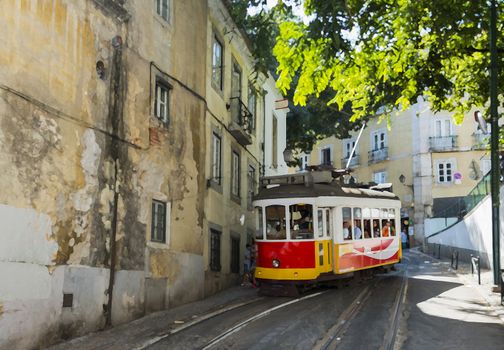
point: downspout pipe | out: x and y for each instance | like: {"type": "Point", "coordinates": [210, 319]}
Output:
{"type": "Point", "coordinates": [115, 116]}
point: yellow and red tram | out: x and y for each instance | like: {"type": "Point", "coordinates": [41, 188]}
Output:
{"type": "Point", "coordinates": [311, 230]}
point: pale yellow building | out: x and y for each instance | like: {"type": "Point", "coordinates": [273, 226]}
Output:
{"type": "Point", "coordinates": [430, 161]}
{"type": "Point", "coordinates": [234, 134]}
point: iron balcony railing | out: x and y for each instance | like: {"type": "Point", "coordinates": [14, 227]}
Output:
{"type": "Point", "coordinates": [377, 155]}
{"type": "Point", "coordinates": [443, 143]}
{"type": "Point", "coordinates": [354, 162]}
{"type": "Point", "coordinates": [241, 121]}
{"type": "Point", "coordinates": [480, 141]}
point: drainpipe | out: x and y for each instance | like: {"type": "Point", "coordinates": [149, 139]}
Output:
{"type": "Point", "coordinates": [264, 134]}
{"type": "Point", "coordinates": [115, 116]}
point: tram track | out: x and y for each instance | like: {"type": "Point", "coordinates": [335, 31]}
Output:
{"type": "Point", "coordinates": [335, 334]}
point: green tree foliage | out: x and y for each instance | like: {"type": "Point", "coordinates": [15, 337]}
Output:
{"type": "Point", "coordinates": [316, 119]}
{"type": "Point", "coordinates": [387, 53]}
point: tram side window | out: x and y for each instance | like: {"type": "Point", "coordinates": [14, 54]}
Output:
{"type": "Point", "coordinates": [391, 213]}
{"type": "Point", "coordinates": [259, 223]}
{"type": "Point", "coordinates": [357, 227]}
{"type": "Point", "coordinates": [347, 219]}
{"type": "Point", "coordinates": [275, 222]}
{"type": "Point", "coordinates": [366, 215]}
{"type": "Point", "coordinates": [385, 223]}
{"type": "Point", "coordinates": [301, 221]}
{"type": "Point", "coordinates": [375, 213]}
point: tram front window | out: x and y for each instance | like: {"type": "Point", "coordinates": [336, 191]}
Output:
{"type": "Point", "coordinates": [275, 222]}
{"type": "Point", "coordinates": [259, 223]}
{"type": "Point", "coordinates": [301, 221]}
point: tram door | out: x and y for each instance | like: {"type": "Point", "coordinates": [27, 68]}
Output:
{"type": "Point", "coordinates": [324, 240]}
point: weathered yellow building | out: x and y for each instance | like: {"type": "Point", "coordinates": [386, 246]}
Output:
{"type": "Point", "coordinates": [234, 129]}
{"type": "Point", "coordinates": [430, 161]}
{"type": "Point", "coordinates": [102, 152]}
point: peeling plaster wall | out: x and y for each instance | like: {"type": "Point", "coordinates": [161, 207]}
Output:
{"type": "Point", "coordinates": [69, 141]}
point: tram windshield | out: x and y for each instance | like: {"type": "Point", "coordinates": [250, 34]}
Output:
{"type": "Point", "coordinates": [259, 223]}
{"type": "Point", "coordinates": [275, 222]}
{"type": "Point", "coordinates": [301, 221]}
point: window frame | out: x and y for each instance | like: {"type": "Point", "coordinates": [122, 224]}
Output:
{"type": "Point", "coordinates": [215, 250]}
{"type": "Point", "coordinates": [252, 93]}
{"type": "Point", "coordinates": [384, 176]}
{"type": "Point", "coordinates": [158, 9]}
{"type": "Point", "coordinates": [155, 220]}
{"type": "Point", "coordinates": [217, 40]}
{"type": "Point", "coordinates": [235, 174]}
{"type": "Point", "coordinates": [162, 84]}
{"type": "Point", "coordinates": [325, 149]}
{"type": "Point", "coordinates": [452, 171]}
{"type": "Point", "coordinates": [216, 164]}
{"type": "Point", "coordinates": [378, 133]}
{"type": "Point", "coordinates": [251, 184]}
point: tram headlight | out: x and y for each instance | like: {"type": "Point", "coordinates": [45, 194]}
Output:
{"type": "Point", "coordinates": [276, 263]}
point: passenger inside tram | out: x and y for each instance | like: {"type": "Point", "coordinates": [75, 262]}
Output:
{"type": "Point", "coordinates": [275, 222]}
{"type": "Point", "coordinates": [386, 228]}
{"type": "Point", "coordinates": [346, 231]}
{"type": "Point", "coordinates": [301, 221]}
{"type": "Point", "coordinates": [367, 228]}
{"type": "Point", "coordinates": [357, 229]}
{"type": "Point", "coordinates": [376, 228]}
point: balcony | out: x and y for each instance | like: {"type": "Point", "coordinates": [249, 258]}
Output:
{"type": "Point", "coordinates": [241, 122]}
{"type": "Point", "coordinates": [378, 155]}
{"type": "Point", "coordinates": [353, 163]}
{"type": "Point", "coordinates": [480, 141]}
{"type": "Point", "coordinates": [442, 143]}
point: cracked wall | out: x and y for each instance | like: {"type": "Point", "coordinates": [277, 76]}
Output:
{"type": "Point", "coordinates": [69, 141]}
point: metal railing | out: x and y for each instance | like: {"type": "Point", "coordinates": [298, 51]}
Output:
{"type": "Point", "coordinates": [442, 143]}
{"type": "Point", "coordinates": [454, 260]}
{"type": "Point", "coordinates": [377, 155]}
{"type": "Point", "coordinates": [355, 161]}
{"type": "Point", "coordinates": [476, 266]}
{"type": "Point", "coordinates": [241, 115]}
{"type": "Point", "coordinates": [466, 204]}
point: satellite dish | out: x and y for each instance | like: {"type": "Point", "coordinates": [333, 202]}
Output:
{"type": "Point", "coordinates": [242, 219]}
{"type": "Point", "coordinates": [478, 117]}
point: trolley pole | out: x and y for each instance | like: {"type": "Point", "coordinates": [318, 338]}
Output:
{"type": "Point", "coordinates": [494, 143]}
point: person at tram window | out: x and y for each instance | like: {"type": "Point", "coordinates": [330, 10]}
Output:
{"type": "Point", "coordinates": [386, 229]}
{"type": "Point", "coordinates": [376, 229]}
{"type": "Point", "coordinates": [357, 230]}
{"type": "Point", "coordinates": [346, 231]}
{"type": "Point", "coordinates": [305, 221]}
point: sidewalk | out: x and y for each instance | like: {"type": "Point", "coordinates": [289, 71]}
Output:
{"type": "Point", "coordinates": [140, 333]}
{"type": "Point", "coordinates": [484, 290]}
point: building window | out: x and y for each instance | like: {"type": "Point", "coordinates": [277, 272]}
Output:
{"type": "Point", "coordinates": [215, 239]}
{"type": "Point", "coordinates": [235, 174]}
{"type": "Point", "coordinates": [163, 9]}
{"type": "Point", "coordinates": [216, 158]}
{"type": "Point", "coordinates": [378, 140]}
{"type": "Point", "coordinates": [158, 226]}
{"type": "Point", "coordinates": [305, 161]}
{"type": "Point", "coordinates": [162, 103]}
{"type": "Point", "coordinates": [445, 172]}
{"type": "Point", "coordinates": [217, 64]}
{"type": "Point", "coordinates": [443, 128]}
{"type": "Point", "coordinates": [235, 255]}
{"type": "Point", "coordinates": [325, 156]}
{"type": "Point", "coordinates": [252, 94]}
{"type": "Point", "coordinates": [348, 147]}
{"type": "Point", "coordinates": [380, 177]}
{"type": "Point", "coordinates": [251, 182]}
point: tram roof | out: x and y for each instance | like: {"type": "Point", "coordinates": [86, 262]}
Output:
{"type": "Point", "coordinates": [320, 190]}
